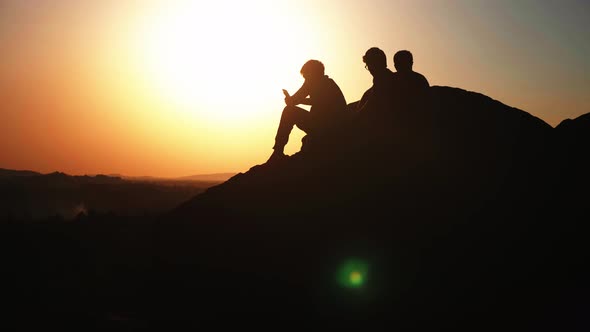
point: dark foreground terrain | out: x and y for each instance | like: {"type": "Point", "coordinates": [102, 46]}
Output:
{"type": "Point", "coordinates": [467, 215]}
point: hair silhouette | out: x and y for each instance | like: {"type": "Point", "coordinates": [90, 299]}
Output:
{"type": "Point", "coordinates": [403, 60]}
{"type": "Point", "coordinates": [312, 68]}
{"type": "Point", "coordinates": [375, 58]}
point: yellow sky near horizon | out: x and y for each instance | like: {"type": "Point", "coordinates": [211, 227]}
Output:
{"type": "Point", "coordinates": [178, 87]}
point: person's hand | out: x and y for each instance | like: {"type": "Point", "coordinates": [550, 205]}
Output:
{"type": "Point", "coordinates": [289, 101]}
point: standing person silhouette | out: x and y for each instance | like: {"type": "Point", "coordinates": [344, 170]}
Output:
{"type": "Point", "coordinates": [327, 107]}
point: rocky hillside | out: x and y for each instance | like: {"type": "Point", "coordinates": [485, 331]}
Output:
{"type": "Point", "coordinates": [460, 211]}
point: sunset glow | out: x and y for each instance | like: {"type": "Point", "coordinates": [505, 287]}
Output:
{"type": "Point", "coordinates": [180, 87]}
{"type": "Point", "coordinates": [223, 59]}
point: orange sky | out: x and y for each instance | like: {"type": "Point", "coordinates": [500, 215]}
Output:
{"type": "Point", "coordinates": [177, 87]}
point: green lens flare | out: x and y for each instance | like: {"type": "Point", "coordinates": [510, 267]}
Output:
{"type": "Point", "coordinates": [353, 273]}
{"type": "Point", "coordinates": [356, 278]}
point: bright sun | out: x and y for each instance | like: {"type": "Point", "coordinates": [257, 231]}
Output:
{"type": "Point", "coordinates": [224, 59]}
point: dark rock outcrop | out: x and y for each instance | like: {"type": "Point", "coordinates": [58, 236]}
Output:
{"type": "Point", "coordinates": [456, 209]}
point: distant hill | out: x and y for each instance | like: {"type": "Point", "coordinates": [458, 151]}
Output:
{"type": "Point", "coordinates": [459, 211]}
{"type": "Point", "coordinates": [209, 177]}
{"type": "Point", "coordinates": [11, 173]}
{"type": "Point", "coordinates": [31, 195]}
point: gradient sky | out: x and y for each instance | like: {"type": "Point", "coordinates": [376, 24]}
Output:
{"type": "Point", "coordinates": [176, 87]}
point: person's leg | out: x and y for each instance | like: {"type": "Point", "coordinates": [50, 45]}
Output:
{"type": "Point", "coordinates": [291, 116]}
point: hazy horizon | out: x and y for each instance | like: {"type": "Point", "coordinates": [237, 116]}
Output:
{"type": "Point", "coordinates": [180, 177]}
{"type": "Point", "coordinates": [174, 88]}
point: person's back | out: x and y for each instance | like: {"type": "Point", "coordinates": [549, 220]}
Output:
{"type": "Point", "coordinates": [412, 88]}
{"type": "Point", "coordinates": [411, 82]}
{"type": "Point", "coordinates": [378, 98]}
{"type": "Point", "coordinates": [328, 101]}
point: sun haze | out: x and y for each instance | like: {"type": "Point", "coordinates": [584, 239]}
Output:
{"type": "Point", "coordinates": [178, 87]}
{"type": "Point", "coordinates": [223, 57]}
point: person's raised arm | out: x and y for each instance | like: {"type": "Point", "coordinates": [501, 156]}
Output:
{"type": "Point", "coordinates": [299, 97]}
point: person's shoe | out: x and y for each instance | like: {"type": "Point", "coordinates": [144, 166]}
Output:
{"type": "Point", "coordinates": [276, 157]}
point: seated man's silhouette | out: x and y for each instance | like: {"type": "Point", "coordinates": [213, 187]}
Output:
{"type": "Point", "coordinates": [412, 87]}
{"type": "Point", "coordinates": [378, 97]}
{"type": "Point", "coordinates": [327, 107]}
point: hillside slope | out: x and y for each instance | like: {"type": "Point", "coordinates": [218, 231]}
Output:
{"type": "Point", "coordinates": [451, 214]}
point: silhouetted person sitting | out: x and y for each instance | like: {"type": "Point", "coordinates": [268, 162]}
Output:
{"type": "Point", "coordinates": [327, 107]}
{"type": "Point", "coordinates": [412, 87]}
{"type": "Point", "coordinates": [389, 110]}
{"type": "Point", "coordinates": [378, 97]}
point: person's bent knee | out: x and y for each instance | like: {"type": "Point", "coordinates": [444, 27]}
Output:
{"type": "Point", "coordinates": [289, 109]}
{"type": "Point", "coordinates": [289, 112]}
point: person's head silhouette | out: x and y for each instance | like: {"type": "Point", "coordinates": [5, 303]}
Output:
{"type": "Point", "coordinates": [375, 59]}
{"type": "Point", "coordinates": [312, 69]}
{"type": "Point", "coordinates": [403, 61]}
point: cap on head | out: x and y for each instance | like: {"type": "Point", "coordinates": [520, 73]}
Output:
{"type": "Point", "coordinates": [375, 58]}
{"type": "Point", "coordinates": [313, 68]}
{"type": "Point", "coordinates": [403, 60]}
